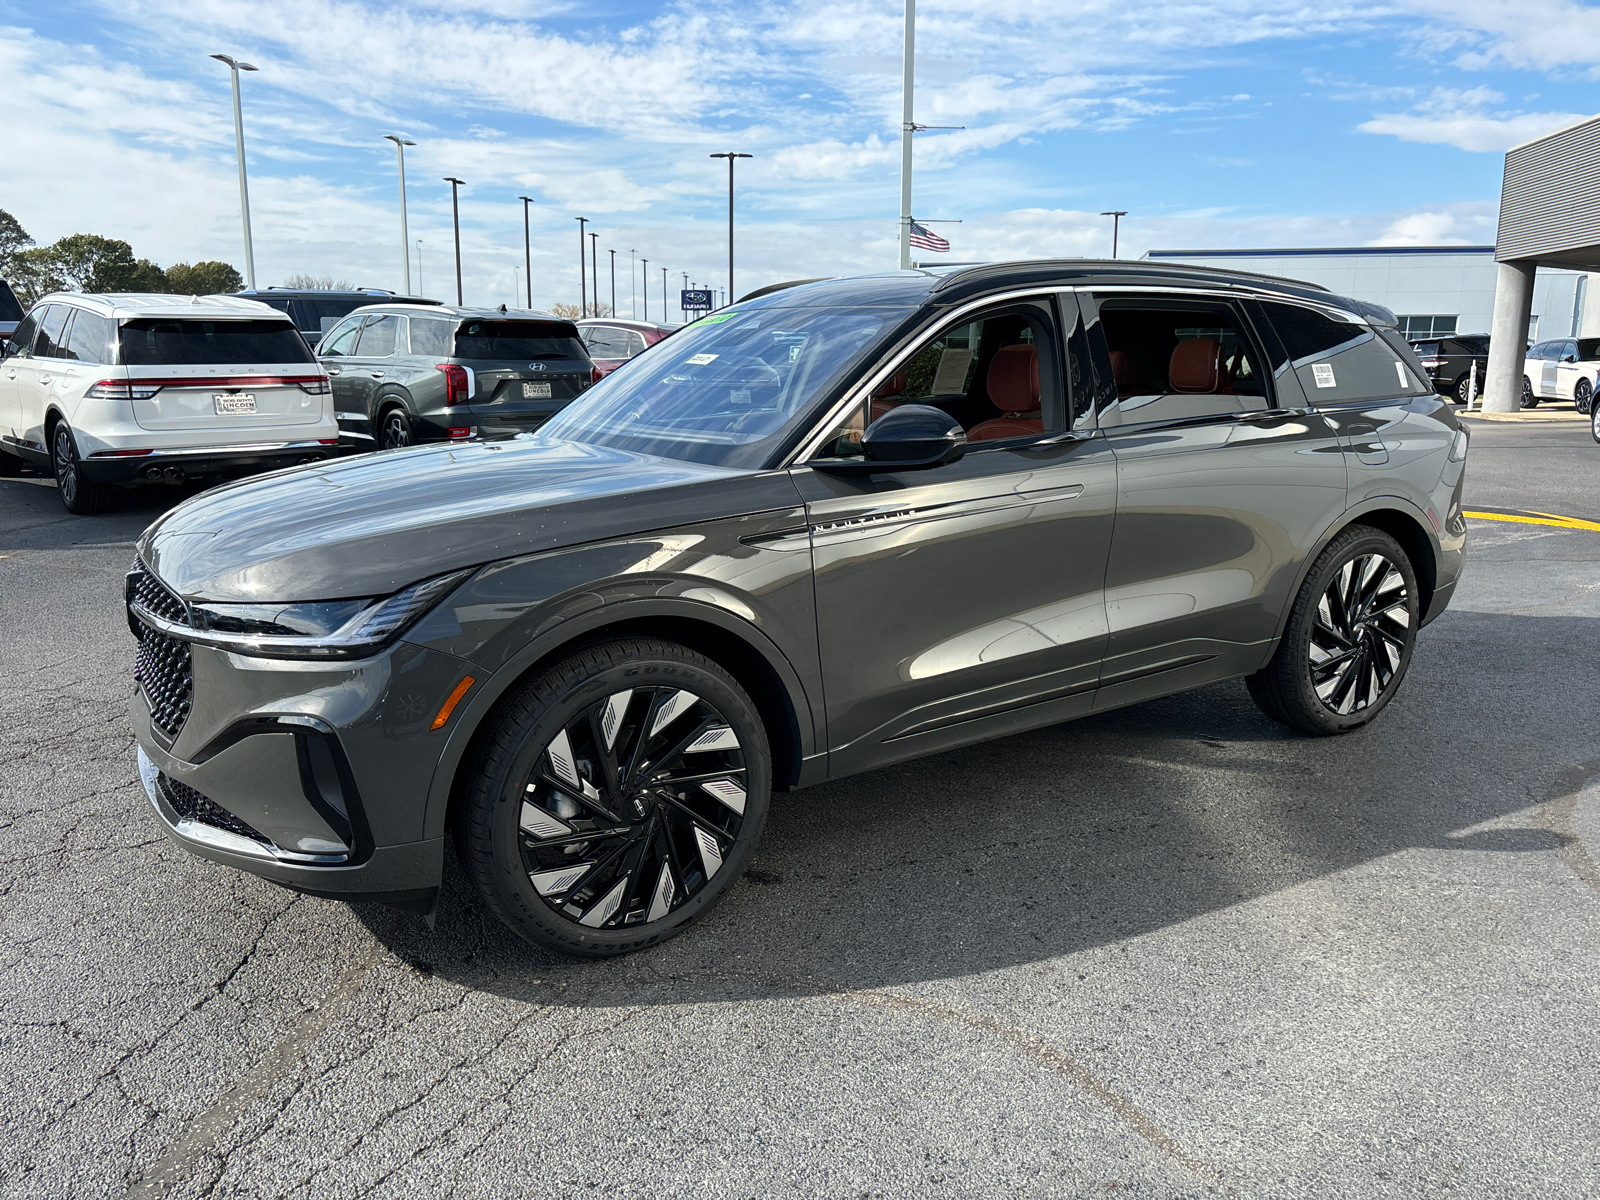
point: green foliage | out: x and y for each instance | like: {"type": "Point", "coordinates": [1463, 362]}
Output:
{"type": "Point", "coordinates": [203, 278]}
{"type": "Point", "coordinates": [13, 240]}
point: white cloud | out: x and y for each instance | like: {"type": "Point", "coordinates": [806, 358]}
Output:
{"type": "Point", "coordinates": [1536, 35]}
{"type": "Point", "coordinates": [1467, 121]}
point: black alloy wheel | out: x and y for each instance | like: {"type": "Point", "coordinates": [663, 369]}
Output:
{"type": "Point", "coordinates": [1349, 637]}
{"type": "Point", "coordinates": [395, 432]}
{"type": "Point", "coordinates": [78, 495]}
{"type": "Point", "coordinates": [619, 797]}
{"type": "Point", "coordinates": [1463, 389]}
{"type": "Point", "coordinates": [1583, 396]}
{"type": "Point", "coordinates": [1594, 422]}
{"type": "Point", "coordinates": [1529, 400]}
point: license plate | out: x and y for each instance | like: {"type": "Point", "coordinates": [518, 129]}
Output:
{"type": "Point", "coordinates": [536, 391]}
{"type": "Point", "coordinates": [232, 404]}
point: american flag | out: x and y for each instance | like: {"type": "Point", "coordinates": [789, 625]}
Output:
{"type": "Point", "coordinates": [925, 239]}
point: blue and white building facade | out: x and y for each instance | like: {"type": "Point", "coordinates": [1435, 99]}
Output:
{"type": "Point", "coordinates": [1434, 290]}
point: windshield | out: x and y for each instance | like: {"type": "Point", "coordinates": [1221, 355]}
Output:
{"type": "Point", "coordinates": [519, 339]}
{"type": "Point", "coordinates": [727, 389]}
{"type": "Point", "coordinates": [162, 342]}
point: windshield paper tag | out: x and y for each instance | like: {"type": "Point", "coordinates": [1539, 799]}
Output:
{"type": "Point", "coordinates": [700, 360]}
{"type": "Point", "coordinates": [1405, 380]}
{"type": "Point", "coordinates": [1322, 372]}
{"type": "Point", "coordinates": [716, 320]}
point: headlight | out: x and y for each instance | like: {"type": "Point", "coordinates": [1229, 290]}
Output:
{"type": "Point", "coordinates": [312, 629]}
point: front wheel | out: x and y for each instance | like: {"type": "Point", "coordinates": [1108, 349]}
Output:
{"type": "Point", "coordinates": [78, 495]}
{"type": "Point", "coordinates": [616, 799]}
{"type": "Point", "coordinates": [1529, 400]}
{"type": "Point", "coordinates": [1349, 638]}
{"type": "Point", "coordinates": [1583, 396]}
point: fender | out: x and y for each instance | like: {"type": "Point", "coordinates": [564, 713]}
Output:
{"type": "Point", "coordinates": [572, 630]}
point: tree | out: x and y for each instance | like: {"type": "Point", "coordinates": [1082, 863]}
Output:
{"type": "Point", "coordinates": [91, 263]}
{"type": "Point", "coordinates": [207, 278]}
{"type": "Point", "coordinates": [318, 283]}
{"type": "Point", "coordinates": [572, 312]}
{"type": "Point", "coordinates": [33, 273]}
{"type": "Point", "coordinates": [13, 240]}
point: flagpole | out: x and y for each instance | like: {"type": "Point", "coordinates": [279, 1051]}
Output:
{"type": "Point", "coordinates": [907, 131]}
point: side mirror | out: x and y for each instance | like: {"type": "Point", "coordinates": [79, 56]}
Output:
{"type": "Point", "coordinates": [903, 439]}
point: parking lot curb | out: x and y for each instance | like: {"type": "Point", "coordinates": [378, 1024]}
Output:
{"type": "Point", "coordinates": [1533, 414]}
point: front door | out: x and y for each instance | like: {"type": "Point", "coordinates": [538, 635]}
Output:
{"type": "Point", "coordinates": [963, 601]}
{"type": "Point", "coordinates": [1222, 475]}
{"type": "Point", "coordinates": [1549, 352]}
{"type": "Point", "coordinates": [11, 372]}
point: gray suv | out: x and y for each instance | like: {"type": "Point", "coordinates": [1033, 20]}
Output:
{"type": "Point", "coordinates": [823, 531]}
{"type": "Point", "coordinates": [405, 373]}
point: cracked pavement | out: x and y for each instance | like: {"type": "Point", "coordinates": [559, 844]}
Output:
{"type": "Point", "coordinates": [1170, 951]}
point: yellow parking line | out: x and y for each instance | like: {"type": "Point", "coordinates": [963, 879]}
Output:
{"type": "Point", "coordinates": [1542, 519]}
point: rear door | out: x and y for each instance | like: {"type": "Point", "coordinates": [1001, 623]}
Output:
{"type": "Point", "coordinates": [1547, 368]}
{"type": "Point", "coordinates": [1224, 480]}
{"type": "Point", "coordinates": [523, 371]}
{"type": "Point", "coordinates": [372, 362]}
{"type": "Point", "coordinates": [1566, 370]}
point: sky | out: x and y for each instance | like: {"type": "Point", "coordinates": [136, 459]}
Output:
{"type": "Point", "coordinates": [1233, 123]}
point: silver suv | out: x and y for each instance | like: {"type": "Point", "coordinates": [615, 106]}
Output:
{"type": "Point", "coordinates": [135, 389]}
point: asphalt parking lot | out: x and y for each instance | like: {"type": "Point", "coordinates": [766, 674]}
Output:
{"type": "Point", "coordinates": [1169, 951]}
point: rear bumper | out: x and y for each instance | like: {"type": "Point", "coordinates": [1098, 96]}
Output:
{"type": "Point", "coordinates": [203, 462]}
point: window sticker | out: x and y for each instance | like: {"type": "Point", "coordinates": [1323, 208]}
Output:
{"type": "Point", "coordinates": [1400, 370]}
{"type": "Point", "coordinates": [951, 377]}
{"type": "Point", "coordinates": [1322, 372]}
{"type": "Point", "coordinates": [717, 320]}
{"type": "Point", "coordinates": [700, 360]}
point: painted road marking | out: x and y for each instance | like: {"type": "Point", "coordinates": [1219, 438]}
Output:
{"type": "Point", "coordinates": [1531, 518]}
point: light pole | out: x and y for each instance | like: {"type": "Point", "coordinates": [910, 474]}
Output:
{"type": "Point", "coordinates": [663, 295]}
{"type": "Point", "coordinates": [594, 270]}
{"type": "Point", "coordinates": [419, 265]}
{"type": "Point", "coordinates": [400, 145]}
{"type": "Point", "coordinates": [613, 254]}
{"type": "Point", "coordinates": [644, 285]}
{"type": "Point", "coordinates": [633, 292]}
{"type": "Point", "coordinates": [527, 246]}
{"type": "Point", "coordinates": [235, 66]}
{"type": "Point", "coordinates": [455, 216]}
{"type": "Point", "coordinates": [583, 282]}
{"type": "Point", "coordinates": [680, 297]}
{"type": "Point", "coordinates": [730, 156]}
{"type": "Point", "coordinates": [1116, 216]}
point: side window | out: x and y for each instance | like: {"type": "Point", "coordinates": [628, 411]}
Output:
{"type": "Point", "coordinates": [90, 338]}
{"type": "Point", "coordinates": [378, 337]}
{"type": "Point", "coordinates": [1569, 351]}
{"type": "Point", "coordinates": [432, 338]}
{"type": "Point", "coordinates": [51, 328]}
{"type": "Point", "coordinates": [1338, 360]}
{"type": "Point", "coordinates": [22, 336]}
{"type": "Point", "coordinates": [1174, 359]}
{"type": "Point", "coordinates": [996, 374]}
{"type": "Point", "coordinates": [342, 340]}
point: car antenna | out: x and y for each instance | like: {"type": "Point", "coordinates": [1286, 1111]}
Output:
{"type": "Point", "coordinates": [502, 308]}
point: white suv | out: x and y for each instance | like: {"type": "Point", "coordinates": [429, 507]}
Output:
{"type": "Point", "coordinates": [131, 389]}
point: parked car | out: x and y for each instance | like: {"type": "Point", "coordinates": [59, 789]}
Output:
{"type": "Point", "coordinates": [612, 341]}
{"type": "Point", "coordinates": [1562, 369]}
{"type": "Point", "coordinates": [403, 374]}
{"type": "Point", "coordinates": [1449, 360]}
{"type": "Point", "coordinates": [315, 310]}
{"type": "Point", "coordinates": [10, 310]}
{"type": "Point", "coordinates": [842, 526]}
{"type": "Point", "coordinates": [119, 390]}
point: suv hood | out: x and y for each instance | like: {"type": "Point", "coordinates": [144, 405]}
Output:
{"type": "Point", "coordinates": [370, 525]}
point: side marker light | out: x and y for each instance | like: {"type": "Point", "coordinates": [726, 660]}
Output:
{"type": "Point", "coordinates": [454, 699]}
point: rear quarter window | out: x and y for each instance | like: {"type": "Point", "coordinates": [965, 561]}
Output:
{"type": "Point", "coordinates": [1339, 361]}
{"type": "Point", "coordinates": [431, 338]}
{"type": "Point", "coordinates": [519, 339]}
{"type": "Point", "coordinates": [191, 341]}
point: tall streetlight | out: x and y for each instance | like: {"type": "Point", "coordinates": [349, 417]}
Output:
{"type": "Point", "coordinates": [419, 266]}
{"type": "Point", "coordinates": [594, 270]}
{"type": "Point", "coordinates": [583, 279]}
{"type": "Point", "coordinates": [644, 284]}
{"type": "Point", "coordinates": [613, 283]}
{"type": "Point", "coordinates": [633, 292]}
{"type": "Point", "coordinates": [730, 156]}
{"type": "Point", "coordinates": [455, 215]}
{"type": "Point", "coordinates": [680, 296]}
{"type": "Point", "coordinates": [663, 295]}
{"type": "Point", "coordinates": [235, 66]}
{"type": "Point", "coordinates": [527, 246]}
{"type": "Point", "coordinates": [1116, 216]}
{"type": "Point", "coordinates": [400, 145]}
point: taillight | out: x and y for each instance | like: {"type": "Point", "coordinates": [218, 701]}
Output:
{"type": "Point", "coordinates": [1433, 364]}
{"type": "Point", "coordinates": [461, 432]}
{"type": "Point", "coordinates": [121, 389]}
{"type": "Point", "coordinates": [596, 374]}
{"type": "Point", "coordinates": [455, 385]}
{"type": "Point", "coordinates": [316, 387]}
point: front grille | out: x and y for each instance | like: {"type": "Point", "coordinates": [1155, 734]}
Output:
{"type": "Point", "coordinates": [162, 665]}
{"type": "Point", "coordinates": [196, 806]}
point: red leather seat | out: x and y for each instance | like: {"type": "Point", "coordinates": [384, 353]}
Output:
{"type": "Point", "coordinates": [1013, 382]}
{"type": "Point", "coordinates": [1198, 366]}
{"type": "Point", "coordinates": [1129, 374]}
{"type": "Point", "coordinates": [882, 399]}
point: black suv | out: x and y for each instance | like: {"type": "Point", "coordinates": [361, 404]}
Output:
{"type": "Point", "coordinates": [315, 311]}
{"type": "Point", "coordinates": [1448, 362]}
{"type": "Point", "coordinates": [404, 374]}
{"type": "Point", "coordinates": [817, 533]}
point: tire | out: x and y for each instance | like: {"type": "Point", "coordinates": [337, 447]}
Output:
{"type": "Point", "coordinates": [1460, 392]}
{"type": "Point", "coordinates": [544, 776]}
{"type": "Point", "coordinates": [78, 495]}
{"type": "Point", "coordinates": [1594, 422]}
{"type": "Point", "coordinates": [1358, 607]}
{"type": "Point", "coordinates": [1583, 396]}
{"type": "Point", "coordinates": [1529, 400]}
{"type": "Point", "coordinates": [394, 431]}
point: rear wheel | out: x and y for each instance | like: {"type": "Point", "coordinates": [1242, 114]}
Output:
{"type": "Point", "coordinates": [78, 495]}
{"type": "Point", "coordinates": [1463, 389]}
{"type": "Point", "coordinates": [394, 433]}
{"type": "Point", "coordinates": [618, 797]}
{"type": "Point", "coordinates": [1529, 400]}
{"type": "Point", "coordinates": [1594, 422]}
{"type": "Point", "coordinates": [1583, 396]}
{"type": "Point", "coordinates": [1349, 638]}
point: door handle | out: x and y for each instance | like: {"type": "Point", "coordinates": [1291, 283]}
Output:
{"type": "Point", "coordinates": [334, 370]}
{"type": "Point", "coordinates": [377, 374]}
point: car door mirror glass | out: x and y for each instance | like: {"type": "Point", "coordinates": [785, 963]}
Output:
{"type": "Point", "coordinates": [909, 437]}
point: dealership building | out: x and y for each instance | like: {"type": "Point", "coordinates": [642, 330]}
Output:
{"type": "Point", "coordinates": [1433, 290]}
